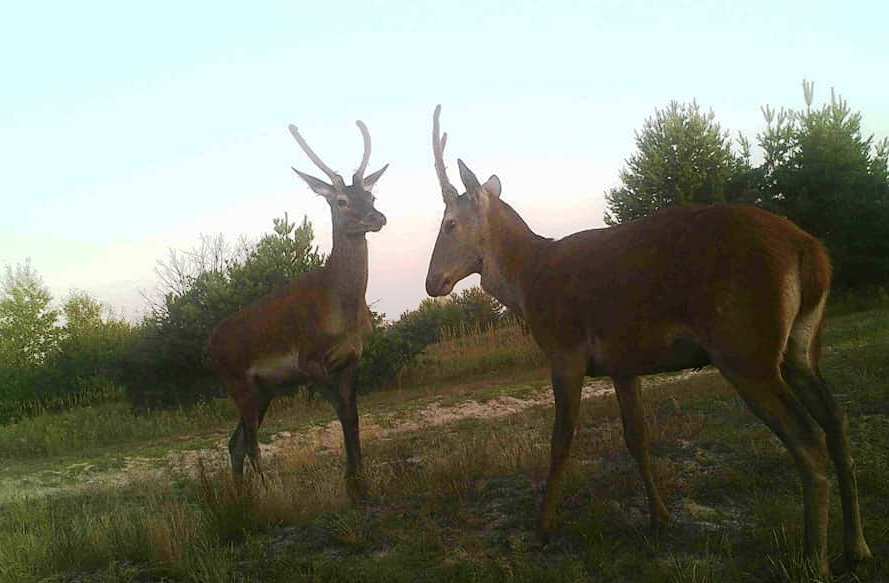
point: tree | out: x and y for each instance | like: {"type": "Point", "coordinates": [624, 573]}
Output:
{"type": "Point", "coordinates": [91, 350]}
{"type": "Point", "coordinates": [823, 173]}
{"type": "Point", "coordinates": [82, 313]}
{"type": "Point", "coordinates": [28, 335]}
{"type": "Point", "coordinates": [683, 157]}
{"type": "Point", "coordinates": [28, 331]}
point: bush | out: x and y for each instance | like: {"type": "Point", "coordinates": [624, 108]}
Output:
{"type": "Point", "coordinates": [394, 346]}
{"type": "Point", "coordinates": [44, 366]}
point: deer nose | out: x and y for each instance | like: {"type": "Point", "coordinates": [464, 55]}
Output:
{"type": "Point", "coordinates": [437, 285]}
{"type": "Point", "coordinates": [375, 219]}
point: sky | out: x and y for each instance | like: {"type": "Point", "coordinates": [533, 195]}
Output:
{"type": "Point", "coordinates": [129, 129]}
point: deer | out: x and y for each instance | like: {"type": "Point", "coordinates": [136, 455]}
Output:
{"type": "Point", "coordinates": [311, 331]}
{"type": "Point", "coordinates": [731, 286]}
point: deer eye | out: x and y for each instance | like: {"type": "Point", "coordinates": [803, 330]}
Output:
{"type": "Point", "coordinates": [450, 225]}
{"type": "Point", "coordinates": [342, 203]}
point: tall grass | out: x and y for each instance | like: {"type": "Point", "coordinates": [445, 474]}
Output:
{"type": "Point", "coordinates": [115, 424]}
{"type": "Point", "coordinates": [457, 502]}
{"type": "Point", "coordinates": [463, 353]}
{"type": "Point", "coordinates": [94, 391]}
{"type": "Point", "coordinates": [101, 417]}
{"type": "Point", "coordinates": [190, 534]}
{"type": "Point", "coordinates": [109, 424]}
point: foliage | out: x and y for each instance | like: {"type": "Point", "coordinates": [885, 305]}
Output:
{"type": "Point", "coordinates": [478, 309]}
{"type": "Point", "coordinates": [393, 346]}
{"type": "Point", "coordinates": [168, 364]}
{"type": "Point", "coordinates": [28, 334]}
{"type": "Point", "coordinates": [822, 172]}
{"type": "Point", "coordinates": [91, 349]}
{"type": "Point", "coordinates": [504, 349]}
{"type": "Point", "coordinates": [819, 169]}
{"type": "Point", "coordinates": [72, 365]}
{"type": "Point", "coordinates": [683, 157]}
{"type": "Point", "coordinates": [471, 484]}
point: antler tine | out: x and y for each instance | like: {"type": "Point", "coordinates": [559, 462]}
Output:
{"type": "Point", "coordinates": [334, 177]}
{"type": "Point", "coordinates": [448, 191]}
{"type": "Point", "coordinates": [359, 174]}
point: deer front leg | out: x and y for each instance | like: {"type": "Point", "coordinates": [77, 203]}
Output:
{"type": "Point", "coordinates": [567, 376]}
{"type": "Point", "coordinates": [346, 400]}
{"type": "Point", "coordinates": [636, 438]}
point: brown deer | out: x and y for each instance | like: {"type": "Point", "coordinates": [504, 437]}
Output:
{"type": "Point", "coordinates": [311, 331]}
{"type": "Point", "coordinates": [732, 286]}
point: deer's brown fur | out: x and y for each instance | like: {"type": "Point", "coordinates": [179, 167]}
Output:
{"type": "Point", "coordinates": [732, 286]}
{"type": "Point", "coordinates": [311, 331]}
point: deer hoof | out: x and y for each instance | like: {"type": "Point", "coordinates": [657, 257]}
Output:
{"type": "Point", "coordinates": [660, 518]}
{"type": "Point", "coordinates": [357, 490]}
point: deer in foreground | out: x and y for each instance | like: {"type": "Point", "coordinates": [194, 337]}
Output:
{"type": "Point", "coordinates": [310, 331]}
{"type": "Point", "coordinates": [732, 286]}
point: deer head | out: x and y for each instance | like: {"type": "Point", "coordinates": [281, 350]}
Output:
{"type": "Point", "coordinates": [459, 248]}
{"type": "Point", "coordinates": [352, 207]}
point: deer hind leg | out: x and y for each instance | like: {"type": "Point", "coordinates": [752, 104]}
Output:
{"type": "Point", "coordinates": [252, 404]}
{"type": "Point", "coordinates": [800, 371]}
{"type": "Point", "coordinates": [237, 451]}
{"type": "Point", "coordinates": [770, 399]}
{"type": "Point", "coordinates": [251, 431]}
{"type": "Point", "coordinates": [567, 375]}
{"type": "Point", "coordinates": [636, 438]}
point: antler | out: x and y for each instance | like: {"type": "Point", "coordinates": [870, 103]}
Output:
{"type": "Point", "coordinates": [335, 178]}
{"type": "Point", "coordinates": [358, 177]}
{"type": "Point", "coordinates": [448, 192]}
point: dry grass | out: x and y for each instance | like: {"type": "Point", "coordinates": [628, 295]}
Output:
{"type": "Point", "coordinates": [457, 501]}
{"type": "Point", "coordinates": [480, 352]}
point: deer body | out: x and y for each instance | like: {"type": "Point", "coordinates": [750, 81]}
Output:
{"type": "Point", "coordinates": [647, 296]}
{"type": "Point", "coordinates": [300, 334]}
{"type": "Point", "coordinates": [311, 331]}
{"type": "Point", "coordinates": [734, 286]}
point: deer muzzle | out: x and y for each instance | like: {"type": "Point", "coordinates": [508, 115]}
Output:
{"type": "Point", "coordinates": [438, 284]}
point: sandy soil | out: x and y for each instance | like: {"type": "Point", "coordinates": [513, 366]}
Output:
{"type": "Point", "coordinates": [325, 438]}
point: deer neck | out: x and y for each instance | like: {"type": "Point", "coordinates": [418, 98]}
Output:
{"type": "Point", "coordinates": [347, 266]}
{"type": "Point", "coordinates": [509, 257]}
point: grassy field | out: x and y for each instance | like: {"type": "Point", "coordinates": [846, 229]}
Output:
{"type": "Point", "coordinates": [456, 459]}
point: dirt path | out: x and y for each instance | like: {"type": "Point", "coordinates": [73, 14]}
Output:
{"type": "Point", "coordinates": [326, 438]}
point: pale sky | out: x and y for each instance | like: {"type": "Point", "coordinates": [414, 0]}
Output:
{"type": "Point", "coordinates": [127, 129]}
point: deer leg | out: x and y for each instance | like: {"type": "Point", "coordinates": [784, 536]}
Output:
{"type": "Point", "coordinates": [771, 400]}
{"type": "Point", "coordinates": [819, 401]}
{"type": "Point", "coordinates": [346, 401]}
{"type": "Point", "coordinates": [251, 403]}
{"type": "Point", "coordinates": [567, 377]}
{"type": "Point", "coordinates": [240, 392]}
{"type": "Point", "coordinates": [636, 438]}
{"type": "Point", "coordinates": [237, 450]}
{"type": "Point", "coordinates": [251, 432]}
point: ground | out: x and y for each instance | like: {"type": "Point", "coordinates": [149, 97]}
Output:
{"type": "Point", "coordinates": [455, 475]}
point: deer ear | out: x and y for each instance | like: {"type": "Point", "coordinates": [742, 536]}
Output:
{"type": "Point", "coordinates": [370, 181]}
{"type": "Point", "coordinates": [469, 180]}
{"type": "Point", "coordinates": [492, 186]}
{"type": "Point", "coordinates": [317, 185]}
